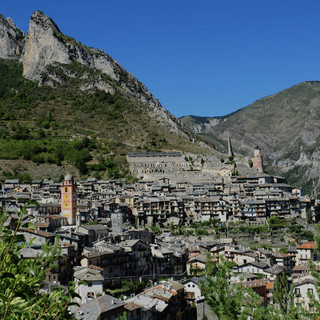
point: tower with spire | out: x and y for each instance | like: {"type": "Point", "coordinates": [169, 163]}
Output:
{"type": "Point", "coordinates": [230, 151]}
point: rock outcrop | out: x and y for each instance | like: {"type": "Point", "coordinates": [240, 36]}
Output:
{"type": "Point", "coordinates": [45, 49]}
{"type": "Point", "coordinates": [11, 39]}
{"type": "Point", "coordinates": [46, 45]}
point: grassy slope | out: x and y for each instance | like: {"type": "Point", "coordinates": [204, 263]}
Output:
{"type": "Point", "coordinates": [87, 132]}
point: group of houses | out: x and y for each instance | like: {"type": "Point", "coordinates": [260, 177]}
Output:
{"type": "Point", "coordinates": [105, 240]}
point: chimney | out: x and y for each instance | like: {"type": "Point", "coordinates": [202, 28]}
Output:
{"type": "Point", "coordinates": [78, 219]}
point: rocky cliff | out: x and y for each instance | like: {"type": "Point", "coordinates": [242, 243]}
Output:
{"type": "Point", "coordinates": [45, 49]}
{"type": "Point", "coordinates": [47, 46]}
{"type": "Point", "coordinates": [54, 91]}
{"type": "Point", "coordinates": [11, 39]}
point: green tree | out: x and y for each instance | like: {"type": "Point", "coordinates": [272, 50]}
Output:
{"type": "Point", "coordinates": [230, 301]}
{"type": "Point", "coordinates": [284, 298]}
{"type": "Point", "coordinates": [309, 216]}
{"type": "Point", "coordinates": [124, 316]}
{"type": "Point", "coordinates": [20, 280]}
{"type": "Point", "coordinates": [134, 286]}
{"type": "Point", "coordinates": [314, 272]}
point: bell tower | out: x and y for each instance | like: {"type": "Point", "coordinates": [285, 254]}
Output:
{"type": "Point", "coordinates": [69, 199]}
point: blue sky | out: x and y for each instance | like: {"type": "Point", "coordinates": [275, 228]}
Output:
{"type": "Point", "coordinates": [205, 57]}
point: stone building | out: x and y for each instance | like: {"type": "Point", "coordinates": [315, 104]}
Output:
{"type": "Point", "coordinates": [257, 160]}
{"type": "Point", "coordinates": [142, 163]}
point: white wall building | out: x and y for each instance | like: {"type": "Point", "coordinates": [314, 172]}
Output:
{"type": "Point", "coordinates": [93, 286]}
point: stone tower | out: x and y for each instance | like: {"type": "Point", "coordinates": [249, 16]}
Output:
{"type": "Point", "coordinates": [230, 151]}
{"type": "Point", "coordinates": [69, 199]}
{"type": "Point", "coordinates": [116, 222]}
{"type": "Point", "coordinates": [257, 160]}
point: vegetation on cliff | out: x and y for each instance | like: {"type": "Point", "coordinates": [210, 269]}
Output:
{"type": "Point", "coordinates": [63, 125]}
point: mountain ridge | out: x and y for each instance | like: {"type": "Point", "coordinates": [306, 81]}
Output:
{"type": "Point", "coordinates": [79, 90]}
{"type": "Point", "coordinates": [63, 49]}
{"type": "Point", "coordinates": [285, 125]}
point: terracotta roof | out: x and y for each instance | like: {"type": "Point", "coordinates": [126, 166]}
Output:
{"type": "Point", "coordinates": [197, 257]}
{"type": "Point", "coordinates": [269, 285]}
{"type": "Point", "coordinates": [281, 255]}
{"type": "Point", "coordinates": [131, 306]}
{"type": "Point", "coordinates": [157, 288]}
{"type": "Point", "coordinates": [150, 289]}
{"type": "Point", "coordinates": [307, 245]}
{"type": "Point", "coordinates": [92, 266]}
{"type": "Point", "coordinates": [53, 216]}
{"type": "Point", "coordinates": [254, 283]}
{"type": "Point", "coordinates": [67, 244]}
{"type": "Point", "coordinates": [173, 292]}
{"type": "Point", "coordinates": [89, 255]}
{"type": "Point", "coordinates": [39, 232]}
{"type": "Point", "coordinates": [41, 225]}
{"type": "Point", "coordinates": [302, 267]}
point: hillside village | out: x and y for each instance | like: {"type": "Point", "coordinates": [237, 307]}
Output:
{"type": "Point", "coordinates": [142, 250]}
{"type": "Point", "coordinates": [157, 234]}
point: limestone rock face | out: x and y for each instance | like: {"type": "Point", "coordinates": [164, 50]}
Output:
{"type": "Point", "coordinates": [47, 46]}
{"type": "Point", "coordinates": [42, 46]}
{"type": "Point", "coordinates": [11, 39]}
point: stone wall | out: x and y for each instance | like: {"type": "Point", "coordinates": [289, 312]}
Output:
{"type": "Point", "coordinates": [157, 163]}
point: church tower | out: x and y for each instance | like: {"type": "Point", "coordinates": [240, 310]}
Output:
{"type": "Point", "coordinates": [69, 199]}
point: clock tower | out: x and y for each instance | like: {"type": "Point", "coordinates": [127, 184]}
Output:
{"type": "Point", "coordinates": [69, 199]}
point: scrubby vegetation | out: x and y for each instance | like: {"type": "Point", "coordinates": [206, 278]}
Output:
{"type": "Point", "coordinates": [63, 125]}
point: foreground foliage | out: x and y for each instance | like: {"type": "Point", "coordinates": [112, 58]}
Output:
{"type": "Point", "coordinates": [230, 301]}
{"type": "Point", "coordinates": [233, 301]}
{"type": "Point", "coordinates": [21, 279]}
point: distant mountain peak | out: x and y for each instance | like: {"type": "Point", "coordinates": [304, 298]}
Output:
{"type": "Point", "coordinates": [285, 124]}
{"type": "Point", "coordinates": [39, 17]}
